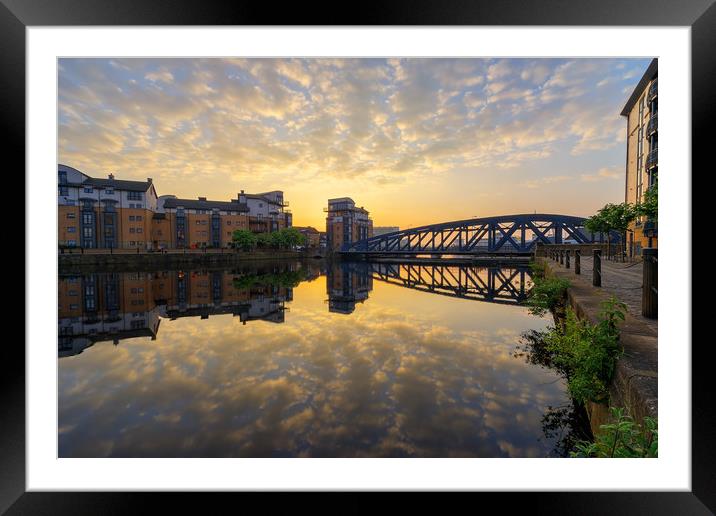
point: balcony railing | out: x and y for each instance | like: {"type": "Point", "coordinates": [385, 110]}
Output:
{"type": "Point", "coordinates": [652, 158]}
{"type": "Point", "coordinates": [652, 126]}
{"type": "Point", "coordinates": [653, 91]}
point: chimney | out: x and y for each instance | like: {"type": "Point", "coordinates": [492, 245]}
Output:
{"type": "Point", "coordinates": [202, 198]}
{"type": "Point", "coordinates": [149, 180]}
{"type": "Point", "coordinates": [111, 176]}
{"type": "Point", "coordinates": [242, 198]}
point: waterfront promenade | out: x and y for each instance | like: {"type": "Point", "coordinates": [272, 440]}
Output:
{"type": "Point", "coordinates": [623, 280]}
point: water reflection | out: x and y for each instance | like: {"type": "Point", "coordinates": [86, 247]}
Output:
{"type": "Point", "coordinates": [400, 374]}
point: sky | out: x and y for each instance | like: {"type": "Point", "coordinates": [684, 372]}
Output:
{"type": "Point", "coordinates": [414, 141]}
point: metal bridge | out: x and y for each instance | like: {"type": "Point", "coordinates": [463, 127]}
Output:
{"type": "Point", "coordinates": [502, 285]}
{"type": "Point", "coordinates": [506, 234]}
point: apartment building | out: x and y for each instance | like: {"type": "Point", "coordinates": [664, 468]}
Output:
{"type": "Point", "coordinates": [114, 213]}
{"type": "Point", "coordinates": [313, 236]}
{"type": "Point", "coordinates": [107, 213]}
{"type": "Point", "coordinates": [642, 162]}
{"type": "Point", "coordinates": [345, 223]}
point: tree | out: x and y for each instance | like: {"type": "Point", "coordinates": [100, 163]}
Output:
{"type": "Point", "coordinates": [612, 217]}
{"type": "Point", "coordinates": [650, 207]}
{"type": "Point", "coordinates": [244, 239]}
{"type": "Point", "coordinates": [293, 237]}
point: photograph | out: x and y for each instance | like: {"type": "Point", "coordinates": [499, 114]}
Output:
{"type": "Point", "coordinates": [357, 257]}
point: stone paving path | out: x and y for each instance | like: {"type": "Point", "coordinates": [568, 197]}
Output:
{"type": "Point", "coordinates": [621, 279]}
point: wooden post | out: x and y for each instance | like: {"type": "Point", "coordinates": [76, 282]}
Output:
{"type": "Point", "coordinates": [566, 259]}
{"type": "Point", "coordinates": [649, 298]}
{"type": "Point", "coordinates": [561, 256]}
{"type": "Point", "coordinates": [577, 261]}
{"type": "Point", "coordinates": [597, 270]}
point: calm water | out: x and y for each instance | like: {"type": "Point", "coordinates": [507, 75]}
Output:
{"type": "Point", "coordinates": [293, 359]}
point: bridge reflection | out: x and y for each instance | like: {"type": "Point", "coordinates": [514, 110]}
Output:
{"type": "Point", "coordinates": [349, 283]}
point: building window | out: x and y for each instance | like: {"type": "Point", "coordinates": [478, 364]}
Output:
{"type": "Point", "coordinates": [228, 223]}
{"type": "Point", "coordinates": [134, 196]}
{"type": "Point", "coordinates": [63, 176]}
{"type": "Point", "coordinates": [139, 230]}
{"type": "Point", "coordinates": [109, 191]}
{"type": "Point", "coordinates": [139, 217]}
{"type": "Point", "coordinates": [132, 243]}
{"type": "Point", "coordinates": [131, 218]}
{"type": "Point", "coordinates": [87, 232]}
{"type": "Point", "coordinates": [131, 230]}
{"type": "Point", "coordinates": [74, 306]}
{"type": "Point", "coordinates": [72, 243]}
{"type": "Point", "coordinates": [71, 215]}
{"type": "Point", "coordinates": [89, 190]}
{"type": "Point", "coordinates": [64, 190]}
{"type": "Point", "coordinates": [71, 229]}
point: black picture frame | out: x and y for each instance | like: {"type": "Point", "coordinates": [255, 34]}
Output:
{"type": "Point", "coordinates": [16, 15]}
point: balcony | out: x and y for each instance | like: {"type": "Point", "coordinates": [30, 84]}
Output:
{"type": "Point", "coordinates": [653, 91]}
{"type": "Point", "coordinates": [652, 159]}
{"type": "Point", "coordinates": [652, 126]}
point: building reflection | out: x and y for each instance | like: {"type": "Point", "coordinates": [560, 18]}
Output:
{"type": "Point", "coordinates": [347, 284]}
{"type": "Point", "coordinates": [99, 307]}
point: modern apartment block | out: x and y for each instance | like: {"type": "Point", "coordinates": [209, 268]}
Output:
{"type": "Point", "coordinates": [114, 213]}
{"type": "Point", "coordinates": [345, 223]}
{"type": "Point", "coordinates": [642, 163]}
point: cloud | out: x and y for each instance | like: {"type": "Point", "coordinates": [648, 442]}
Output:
{"type": "Point", "coordinates": [604, 173]}
{"type": "Point", "coordinates": [309, 121]}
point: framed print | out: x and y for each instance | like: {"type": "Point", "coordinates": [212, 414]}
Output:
{"type": "Point", "coordinates": [382, 253]}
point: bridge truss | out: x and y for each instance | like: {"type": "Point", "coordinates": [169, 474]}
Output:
{"type": "Point", "coordinates": [509, 234]}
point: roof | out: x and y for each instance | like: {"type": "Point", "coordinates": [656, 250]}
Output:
{"type": "Point", "coordinates": [650, 73]}
{"type": "Point", "coordinates": [261, 197]}
{"type": "Point", "coordinates": [119, 184]}
{"type": "Point", "coordinates": [309, 229]}
{"type": "Point", "coordinates": [197, 204]}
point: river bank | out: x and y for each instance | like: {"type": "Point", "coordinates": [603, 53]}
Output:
{"type": "Point", "coordinates": [152, 261]}
{"type": "Point", "coordinates": [635, 382]}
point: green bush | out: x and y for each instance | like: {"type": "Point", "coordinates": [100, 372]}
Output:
{"type": "Point", "coordinates": [546, 294]}
{"type": "Point", "coordinates": [588, 353]}
{"type": "Point", "coordinates": [622, 438]}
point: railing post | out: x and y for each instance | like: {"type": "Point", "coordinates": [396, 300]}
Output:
{"type": "Point", "coordinates": [566, 259]}
{"type": "Point", "coordinates": [597, 270]}
{"type": "Point", "coordinates": [561, 256]}
{"type": "Point", "coordinates": [649, 297]}
{"type": "Point", "coordinates": [577, 261]}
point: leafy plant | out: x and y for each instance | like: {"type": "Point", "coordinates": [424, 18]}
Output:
{"type": "Point", "coordinates": [546, 294]}
{"type": "Point", "coordinates": [649, 208]}
{"type": "Point", "coordinates": [586, 353]}
{"type": "Point", "coordinates": [622, 438]}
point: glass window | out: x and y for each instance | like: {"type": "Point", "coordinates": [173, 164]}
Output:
{"type": "Point", "coordinates": [89, 189]}
{"type": "Point", "coordinates": [71, 215]}
{"type": "Point", "coordinates": [64, 190]}
{"type": "Point", "coordinates": [72, 229]}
